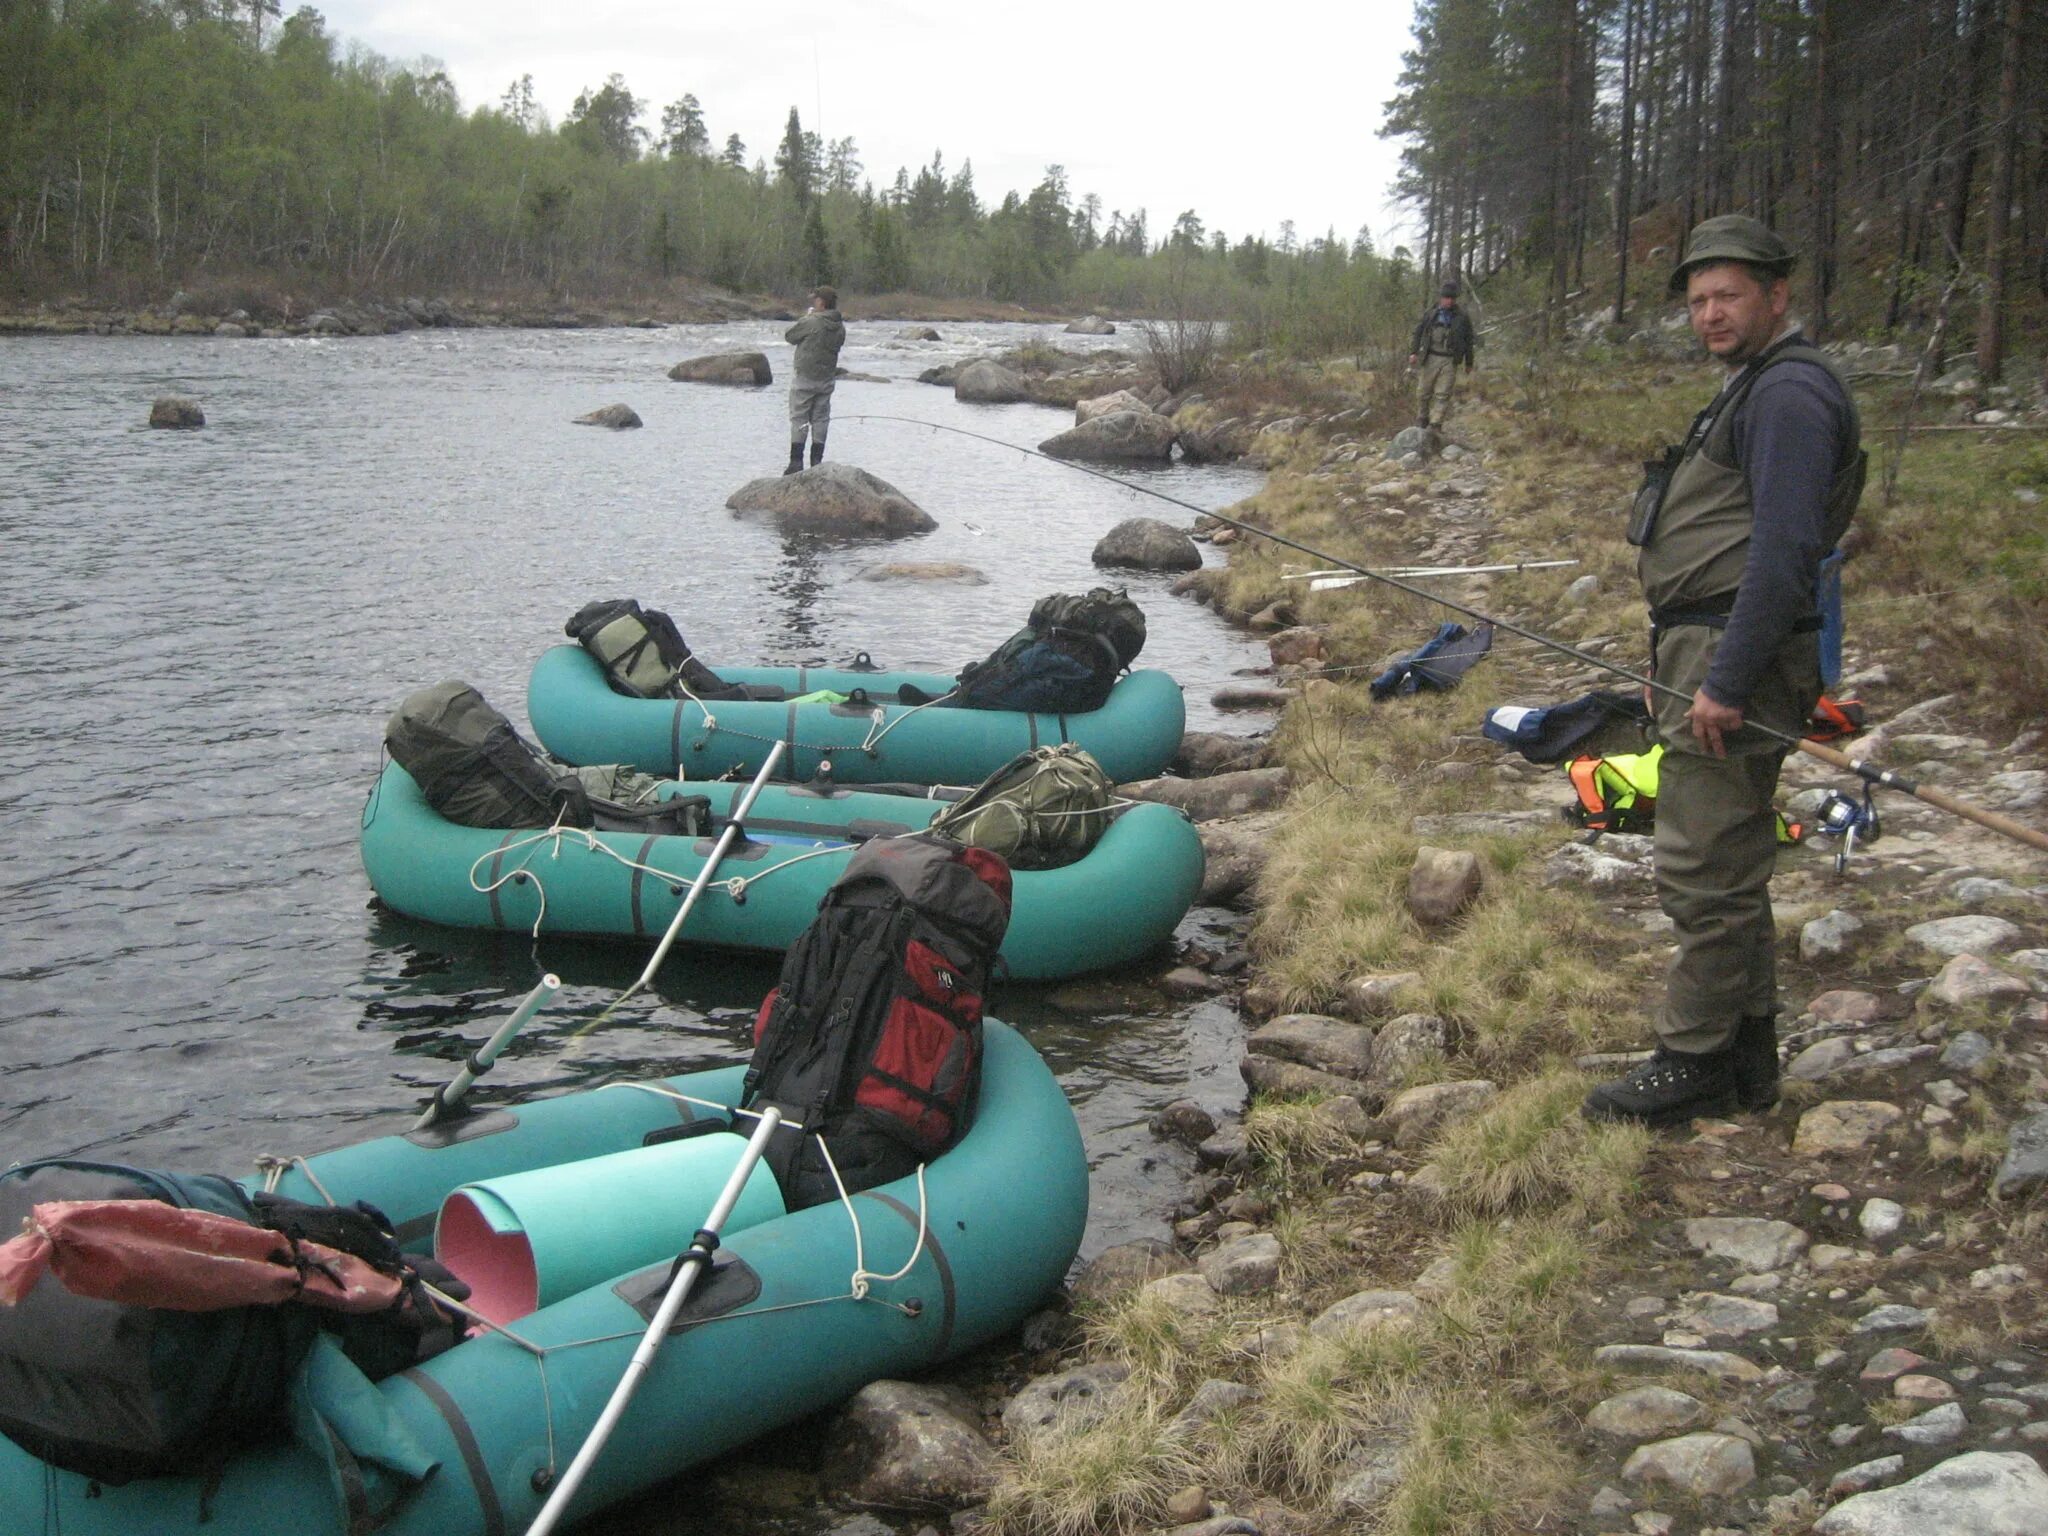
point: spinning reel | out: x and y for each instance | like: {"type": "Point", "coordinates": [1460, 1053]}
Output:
{"type": "Point", "coordinates": [1850, 820]}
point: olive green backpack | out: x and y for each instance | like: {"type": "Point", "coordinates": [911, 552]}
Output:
{"type": "Point", "coordinates": [1044, 808]}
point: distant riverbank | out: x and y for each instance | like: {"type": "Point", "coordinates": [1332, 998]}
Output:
{"type": "Point", "coordinates": [234, 309]}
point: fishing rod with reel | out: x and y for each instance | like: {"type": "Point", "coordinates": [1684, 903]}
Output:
{"type": "Point", "coordinates": [1842, 816]}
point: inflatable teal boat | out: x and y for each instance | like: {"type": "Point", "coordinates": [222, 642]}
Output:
{"type": "Point", "coordinates": [1115, 904]}
{"type": "Point", "coordinates": [548, 1206]}
{"type": "Point", "coordinates": [871, 739]}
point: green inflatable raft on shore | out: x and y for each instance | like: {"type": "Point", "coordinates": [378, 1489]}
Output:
{"type": "Point", "coordinates": [871, 739]}
{"type": "Point", "coordinates": [801, 1310]}
{"type": "Point", "coordinates": [1115, 904]}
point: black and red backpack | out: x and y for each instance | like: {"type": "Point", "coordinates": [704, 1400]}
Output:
{"type": "Point", "coordinates": [872, 1036]}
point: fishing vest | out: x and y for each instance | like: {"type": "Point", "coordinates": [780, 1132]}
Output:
{"type": "Point", "coordinates": [1693, 513]}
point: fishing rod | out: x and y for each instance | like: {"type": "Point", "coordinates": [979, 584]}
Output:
{"type": "Point", "coordinates": [1872, 774]}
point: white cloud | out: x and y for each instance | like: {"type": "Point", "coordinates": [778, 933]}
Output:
{"type": "Point", "coordinates": [1248, 115]}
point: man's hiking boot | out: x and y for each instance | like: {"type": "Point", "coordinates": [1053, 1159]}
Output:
{"type": "Point", "coordinates": [1755, 1059]}
{"type": "Point", "coordinates": [817, 452]}
{"type": "Point", "coordinates": [1422, 422]}
{"type": "Point", "coordinates": [1668, 1089]}
{"type": "Point", "coordinates": [796, 458]}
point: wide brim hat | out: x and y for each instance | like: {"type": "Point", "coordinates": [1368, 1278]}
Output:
{"type": "Point", "coordinates": [1733, 237]}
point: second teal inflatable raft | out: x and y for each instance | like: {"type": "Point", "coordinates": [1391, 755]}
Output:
{"type": "Point", "coordinates": [801, 1309]}
{"type": "Point", "coordinates": [579, 719]}
{"type": "Point", "coordinates": [1117, 903]}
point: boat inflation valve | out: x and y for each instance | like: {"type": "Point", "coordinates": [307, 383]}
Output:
{"type": "Point", "coordinates": [1850, 820]}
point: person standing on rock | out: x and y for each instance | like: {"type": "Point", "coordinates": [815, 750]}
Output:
{"type": "Point", "coordinates": [1732, 525]}
{"type": "Point", "coordinates": [1443, 339]}
{"type": "Point", "coordinates": [818, 336]}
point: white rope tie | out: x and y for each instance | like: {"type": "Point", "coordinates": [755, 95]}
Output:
{"type": "Point", "coordinates": [858, 1281]}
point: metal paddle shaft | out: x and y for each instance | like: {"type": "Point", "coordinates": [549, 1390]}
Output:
{"type": "Point", "coordinates": [734, 830]}
{"type": "Point", "coordinates": [692, 1265]}
{"type": "Point", "coordinates": [1870, 773]}
{"type": "Point", "coordinates": [483, 1059]}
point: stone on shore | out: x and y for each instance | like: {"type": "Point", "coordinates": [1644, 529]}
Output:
{"type": "Point", "coordinates": [1218, 796]}
{"type": "Point", "coordinates": [1234, 851]}
{"type": "Point", "coordinates": [1646, 1413]}
{"type": "Point", "coordinates": [1316, 1040]}
{"type": "Point", "coordinates": [1108, 405]}
{"type": "Point", "coordinates": [1204, 754]}
{"type": "Point", "coordinates": [985, 382]}
{"type": "Point", "coordinates": [833, 499]}
{"type": "Point", "coordinates": [1418, 1113]}
{"type": "Point", "coordinates": [1127, 1266]}
{"type": "Point", "coordinates": [177, 412]}
{"type": "Point", "coordinates": [2025, 1168]}
{"type": "Point", "coordinates": [1366, 1309]}
{"type": "Point", "coordinates": [1953, 936]}
{"type": "Point", "coordinates": [1756, 1244]}
{"type": "Point", "coordinates": [1442, 883]}
{"type": "Point", "coordinates": [1071, 1399]}
{"type": "Point", "coordinates": [1844, 1125]}
{"type": "Point", "coordinates": [1719, 1364]}
{"type": "Point", "coordinates": [1121, 437]}
{"type": "Point", "coordinates": [1705, 1465]}
{"type": "Point", "coordinates": [617, 417]}
{"type": "Point", "coordinates": [909, 1445]}
{"type": "Point", "coordinates": [1982, 1493]}
{"type": "Point", "coordinates": [1148, 544]}
{"type": "Point", "coordinates": [724, 368]}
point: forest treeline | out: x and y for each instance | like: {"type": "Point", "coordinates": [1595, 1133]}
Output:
{"type": "Point", "coordinates": [170, 140]}
{"type": "Point", "coordinates": [1898, 143]}
{"type": "Point", "coordinates": [1550, 146]}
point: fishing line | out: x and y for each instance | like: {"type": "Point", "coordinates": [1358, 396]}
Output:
{"type": "Point", "coordinates": [1869, 773]}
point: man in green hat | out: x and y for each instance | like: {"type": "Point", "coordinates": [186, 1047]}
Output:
{"type": "Point", "coordinates": [1733, 525]}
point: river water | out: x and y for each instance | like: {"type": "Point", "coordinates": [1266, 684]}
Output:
{"type": "Point", "coordinates": [204, 632]}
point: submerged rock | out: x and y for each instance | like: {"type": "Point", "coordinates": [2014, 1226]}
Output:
{"type": "Point", "coordinates": [617, 417]}
{"type": "Point", "coordinates": [724, 368]}
{"type": "Point", "coordinates": [1122, 436]}
{"type": "Point", "coordinates": [923, 570]}
{"type": "Point", "coordinates": [834, 499]}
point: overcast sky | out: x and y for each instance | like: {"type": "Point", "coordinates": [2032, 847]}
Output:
{"type": "Point", "coordinates": [1249, 115]}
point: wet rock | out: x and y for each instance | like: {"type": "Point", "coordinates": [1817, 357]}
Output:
{"type": "Point", "coordinates": [1244, 1267]}
{"type": "Point", "coordinates": [1184, 1121]}
{"type": "Point", "coordinates": [917, 333]}
{"type": "Point", "coordinates": [1204, 754]}
{"type": "Point", "coordinates": [176, 412]}
{"type": "Point", "coordinates": [1148, 544]}
{"type": "Point", "coordinates": [1366, 1309]}
{"type": "Point", "coordinates": [904, 1445]}
{"type": "Point", "coordinates": [724, 368]}
{"type": "Point", "coordinates": [1091, 325]}
{"type": "Point", "coordinates": [1704, 1465]}
{"type": "Point", "coordinates": [1865, 1475]}
{"type": "Point", "coordinates": [1829, 936]}
{"type": "Point", "coordinates": [1843, 1126]}
{"type": "Point", "coordinates": [1265, 1074]}
{"type": "Point", "coordinates": [1880, 1218]}
{"type": "Point", "coordinates": [1404, 1044]}
{"type": "Point", "coordinates": [1218, 796]}
{"type": "Point", "coordinates": [1718, 1364]}
{"type": "Point", "coordinates": [1720, 1318]}
{"type": "Point", "coordinates": [1754, 1243]}
{"type": "Point", "coordinates": [1442, 883]}
{"type": "Point", "coordinates": [1966, 980]}
{"type": "Point", "coordinates": [1072, 1399]}
{"type": "Point", "coordinates": [617, 417]}
{"type": "Point", "coordinates": [1187, 983]}
{"type": "Point", "coordinates": [1937, 1426]}
{"type": "Point", "coordinates": [951, 572]}
{"type": "Point", "coordinates": [833, 499]}
{"type": "Point", "coordinates": [1646, 1413]}
{"type": "Point", "coordinates": [985, 382]}
{"type": "Point", "coordinates": [1127, 1266]}
{"type": "Point", "coordinates": [1122, 438]}
{"type": "Point", "coordinates": [1374, 997]}
{"type": "Point", "coordinates": [1234, 851]}
{"type": "Point", "coordinates": [1953, 936]}
{"type": "Point", "coordinates": [1418, 1113]}
{"type": "Point", "coordinates": [1108, 405]}
{"type": "Point", "coordinates": [1983, 1493]}
{"type": "Point", "coordinates": [2025, 1167]}
{"type": "Point", "coordinates": [1318, 1041]}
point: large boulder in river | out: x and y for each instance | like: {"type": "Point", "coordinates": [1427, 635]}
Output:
{"type": "Point", "coordinates": [1108, 405]}
{"type": "Point", "coordinates": [176, 411]}
{"type": "Point", "coordinates": [986, 382]}
{"type": "Point", "coordinates": [834, 499]}
{"type": "Point", "coordinates": [1122, 437]}
{"type": "Point", "coordinates": [1091, 325]}
{"type": "Point", "coordinates": [724, 368]}
{"type": "Point", "coordinates": [1148, 544]}
{"type": "Point", "coordinates": [617, 417]}
{"type": "Point", "coordinates": [919, 333]}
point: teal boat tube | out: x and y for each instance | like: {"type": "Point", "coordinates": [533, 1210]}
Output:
{"type": "Point", "coordinates": [1114, 905]}
{"type": "Point", "coordinates": [579, 719]}
{"type": "Point", "coordinates": [801, 1310]}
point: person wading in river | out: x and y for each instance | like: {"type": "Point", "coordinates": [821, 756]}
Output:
{"type": "Point", "coordinates": [1443, 339]}
{"type": "Point", "coordinates": [1733, 525]}
{"type": "Point", "coordinates": [818, 336]}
